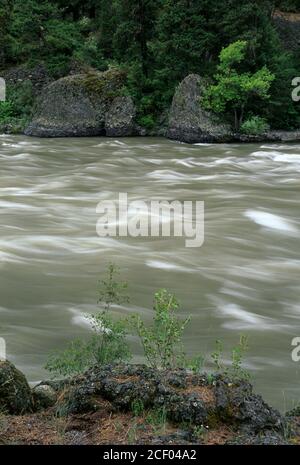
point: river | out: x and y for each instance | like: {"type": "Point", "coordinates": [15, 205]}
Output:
{"type": "Point", "coordinates": [245, 279]}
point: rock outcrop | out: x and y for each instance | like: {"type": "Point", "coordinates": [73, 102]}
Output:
{"type": "Point", "coordinates": [15, 393]}
{"type": "Point", "coordinates": [188, 121]}
{"type": "Point", "coordinates": [288, 27]}
{"type": "Point", "coordinates": [38, 77]}
{"type": "Point", "coordinates": [83, 105]}
{"type": "Point", "coordinates": [44, 396]}
{"type": "Point", "coordinates": [194, 407]}
{"type": "Point", "coordinates": [186, 398]}
{"type": "Point", "coordinates": [119, 120]}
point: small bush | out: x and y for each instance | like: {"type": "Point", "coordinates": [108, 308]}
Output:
{"type": "Point", "coordinates": [6, 111]}
{"type": "Point", "coordinates": [162, 342]}
{"type": "Point", "coordinates": [15, 111]}
{"type": "Point", "coordinates": [112, 291]}
{"type": "Point", "coordinates": [108, 343]}
{"type": "Point", "coordinates": [235, 370]}
{"type": "Point", "coordinates": [255, 126]}
{"type": "Point", "coordinates": [146, 121]}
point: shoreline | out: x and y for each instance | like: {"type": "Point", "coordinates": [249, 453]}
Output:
{"type": "Point", "coordinates": [136, 404]}
{"type": "Point", "coordinates": [271, 137]}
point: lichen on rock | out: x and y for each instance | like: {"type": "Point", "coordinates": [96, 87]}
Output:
{"type": "Point", "coordinates": [119, 119]}
{"type": "Point", "coordinates": [15, 393]}
{"type": "Point", "coordinates": [188, 121]}
{"type": "Point", "coordinates": [77, 105]}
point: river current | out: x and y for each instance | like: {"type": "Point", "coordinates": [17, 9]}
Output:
{"type": "Point", "coordinates": [245, 279]}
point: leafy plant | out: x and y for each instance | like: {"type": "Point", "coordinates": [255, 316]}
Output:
{"type": "Point", "coordinates": [137, 407]}
{"type": "Point", "coordinates": [255, 125]}
{"type": "Point", "coordinates": [217, 354]}
{"type": "Point", "coordinates": [236, 370]}
{"type": "Point", "coordinates": [238, 352]}
{"type": "Point", "coordinates": [6, 111]}
{"type": "Point", "coordinates": [199, 431]}
{"type": "Point", "coordinates": [234, 88]}
{"type": "Point", "coordinates": [157, 418]}
{"type": "Point", "coordinates": [162, 342]}
{"type": "Point", "coordinates": [147, 121]}
{"type": "Point", "coordinates": [195, 363]}
{"type": "Point", "coordinates": [108, 344]}
{"type": "Point", "coordinates": [15, 111]}
{"type": "Point", "coordinates": [112, 291]}
{"type": "Point", "coordinates": [73, 360]}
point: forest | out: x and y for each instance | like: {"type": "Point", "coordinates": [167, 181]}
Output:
{"type": "Point", "coordinates": [156, 42]}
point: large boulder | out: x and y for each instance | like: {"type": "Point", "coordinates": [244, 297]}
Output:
{"type": "Point", "coordinates": [15, 393]}
{"type": "Point", "coordinates": [188, 121]}
{"type": "Point", "coordinates": [119, 120]}
{"type": "Point", "coordinates": [77, 105]}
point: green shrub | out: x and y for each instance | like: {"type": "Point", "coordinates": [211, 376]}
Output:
{"type": "Point", "coordinates": [235, 370]}
{"type": "Point", "coordinates": [157, 418]}
{"type": "Point", "coordinates": [195, 364]}
{"type": "Point", "coordinates": [74, 359]}
{"type": "Point", "coordinates": [108, 343]}
{"type": "Point", "coordinates": [162, 342]}
{"type": "Point", "coordinates": [146, 121]}
{"type": "Point", "coordinates": [6, 111]}
{"type": "Point", "coordinates": [112, 291]}
{"type": "Point", "coordinates": [21, 96]}
{"type": "Point", "coordinates": [255, 126]}
{"type": "Point", "coordinates": [15, 111]}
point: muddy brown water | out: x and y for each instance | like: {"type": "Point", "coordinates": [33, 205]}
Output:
{"type": "Point", "coordinates": [245, 279]}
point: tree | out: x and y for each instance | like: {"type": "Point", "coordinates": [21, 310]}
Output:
{"type": "Point", "coordinates": [136, 19]}
{"type": "Point", "coordinates": [190, 34]}
{"type": "Point", "coordinates": [39, 34]}
{"type": "Point", "coordinates": [233, 90]}
{"type": "Point", "coordinates": [5, 18]}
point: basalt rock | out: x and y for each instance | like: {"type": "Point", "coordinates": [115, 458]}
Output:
{"type": "Point", "coordinates": [195, 402]}
{"type": "Point", "coordinates": [188, 121]}
{"type": "Point", "coordinates": [288, 27]}
{"type": "Point", "coordinates": [38, 77]}
{"type": "Point", "coordinates": [188, 398]}
{"type": "Point", "coordinates": [269, 438]}
{"type": "Point", "coordinates": [236, 404]}
{"type": "Point", "coordinates": [119, 120]}
{"type": "Point", "coordinates": [15, 393]}
{"type": "Point", "coordinates": [44, 396]}
{"type": "Point", "coordinates": [83, 105]}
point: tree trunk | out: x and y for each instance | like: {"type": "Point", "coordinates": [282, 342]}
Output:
{"type": "Point", "coordinates": [236, 120]}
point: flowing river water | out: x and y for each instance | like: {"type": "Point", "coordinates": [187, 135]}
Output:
{"type": "Point", "coordinates": [245, 279]}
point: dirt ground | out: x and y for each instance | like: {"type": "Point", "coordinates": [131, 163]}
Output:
{"type": "Point", "coordinates": [102, 427]}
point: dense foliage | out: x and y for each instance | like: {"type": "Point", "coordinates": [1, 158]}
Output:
{"type": "Point", "coordinates": [157, 43]}
{"type": "Point", "coordinates": [234, 89]}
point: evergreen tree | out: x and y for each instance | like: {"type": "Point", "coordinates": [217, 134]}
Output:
{"type": "Point", "coordinates": [5, 18]}
{"type": "Point", "coordinates": [136, 20]}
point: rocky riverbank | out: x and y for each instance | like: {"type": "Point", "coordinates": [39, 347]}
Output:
{"type": "Point", "coordinates": [136, 404]}
{"type": "Point", "coordinates": [92, 103]}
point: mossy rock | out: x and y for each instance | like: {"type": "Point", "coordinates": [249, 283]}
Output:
{"type": "Point", "coordinates": [15, 393]}
{"type": "Point", "coordinates": [44, 396]}
{"type": "Point", "coordinates": [189, 121]}
{"type": "Point", "coordinates": [76, 105]}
